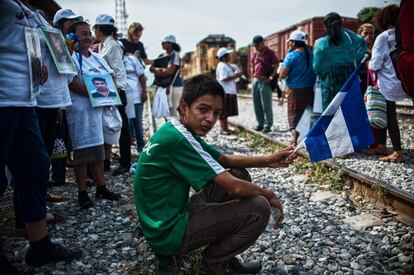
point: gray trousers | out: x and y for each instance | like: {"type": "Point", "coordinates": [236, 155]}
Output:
{"type": "Point", "coordinates": [224, 225]}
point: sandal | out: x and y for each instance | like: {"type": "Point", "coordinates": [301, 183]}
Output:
{"type": "Point", "coordinates": [378, 150]}
{"type": "Point", "coordinates": [395, 156]}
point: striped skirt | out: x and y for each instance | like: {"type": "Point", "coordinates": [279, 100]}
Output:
{"type": "Point", "coordinates": [298, 100]}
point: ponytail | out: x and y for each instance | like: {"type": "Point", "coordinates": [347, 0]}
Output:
{"type": "Point", "coordinates": [333, 23]}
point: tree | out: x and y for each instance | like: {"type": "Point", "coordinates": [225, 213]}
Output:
{"type": "Point", "coordinates": [367, 14]}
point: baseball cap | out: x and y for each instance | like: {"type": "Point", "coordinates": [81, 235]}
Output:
{"type": "Point", "coordinates": [297, 36]}
{"type": "Point", "coordinates": [169, 39]}
{"type": "Point", "coordinates": [65, 14]}
{"type": "Point", "coordinates": [104, 19]}
{"type": "Point", "coordinates": [222, 52]}
{"type": "Point", "coordinates": [257, 39]}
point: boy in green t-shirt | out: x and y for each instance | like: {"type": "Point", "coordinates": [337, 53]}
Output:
{"type": "Point", "coordinates": [227, 214]}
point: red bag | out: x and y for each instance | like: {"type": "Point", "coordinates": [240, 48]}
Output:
{"type": "Point", "coordinates": [405, 60]}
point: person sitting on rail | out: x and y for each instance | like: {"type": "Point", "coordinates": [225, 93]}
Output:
{"type": "Point", "coordinates": [228, 212]}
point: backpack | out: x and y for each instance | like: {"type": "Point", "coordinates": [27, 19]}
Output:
{"type": "Point", "coordinates": [401, 44]}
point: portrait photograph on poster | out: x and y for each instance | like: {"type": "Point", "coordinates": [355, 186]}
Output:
{"type": "Point", "coordinates": [35, 60]}
{"type": "Point", "coordinates": [102, 90]}
{"type": "Point", "coordinates": [58, 49]}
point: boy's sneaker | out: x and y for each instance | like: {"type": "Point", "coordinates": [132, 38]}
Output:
{"type": "Point", "coordinates": [59, 253]}
{"type": "Point", "coordinates": [165, 265]}
{"type": "Point", "coordinates": [236, 265]}
{"type": "Point", "coordinates": [103, 193]}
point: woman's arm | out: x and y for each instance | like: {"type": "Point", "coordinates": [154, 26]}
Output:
{"type": "Point", "coordinates": [77, 87]}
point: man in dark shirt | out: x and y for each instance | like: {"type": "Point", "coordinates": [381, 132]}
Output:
{"type": "Point", "coordinates": [264, 64]}
{"type": "Point", "coordinates": [133, 45]}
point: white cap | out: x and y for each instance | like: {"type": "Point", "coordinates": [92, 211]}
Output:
{"type": "Point", "coordinates": [65, 14]}
{"type": "Point", "coordinates": [222, 52]}
{"type": "Point", "coordinates": [297, 36]}
{"type": "Point", "coordinates": [169, 39]}
{"type": "Point", "coordinates": [104, 19]}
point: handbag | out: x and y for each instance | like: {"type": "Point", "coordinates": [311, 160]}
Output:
{"type": "Point", "coordinates": [376, 105]}
{"type": "Point", "coordinates": [112, 124]}
{"type": "Point", "coordinates": [164, 81]}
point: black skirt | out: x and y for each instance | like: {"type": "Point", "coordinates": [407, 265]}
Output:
{"type": "Point", "coordinates": [230, 107]}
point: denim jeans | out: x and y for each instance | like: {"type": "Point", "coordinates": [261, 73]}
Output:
{"type": "Point", "coordinates": [137, 128]}
{"type": "Point", "coordinates": [23, 151]}
{"type": "Point", "coordinates": [224, 225]}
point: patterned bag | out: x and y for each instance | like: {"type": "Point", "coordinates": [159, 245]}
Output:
{"type": "Point", "coordinates": [376, 106]}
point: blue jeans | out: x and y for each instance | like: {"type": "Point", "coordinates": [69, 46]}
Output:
{"type": "Point", "coordinates": [23, 151]}
{"type": "Point", "coordinates": [137, 129]}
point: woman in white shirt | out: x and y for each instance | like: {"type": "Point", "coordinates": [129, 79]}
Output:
{"type": "Point", "coordinates": [85, 122]}
{"type": "Point", "coordinates": [171, 49]}
{"type": "Point", "coordinates": [226, 75]}
{"type": "Point", "coordinates": [136, 90]}
{"type": "Point", "coordinates": [390, 87]}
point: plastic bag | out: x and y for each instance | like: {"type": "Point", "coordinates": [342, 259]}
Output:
{"type": "Point", "coordinates": [317, 100]}
{"type": "Point", "coordinates": [160, 106]}
{"type": "Point", "coordinates": [112, 124]}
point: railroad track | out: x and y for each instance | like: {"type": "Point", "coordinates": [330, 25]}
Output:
{"type": "Point", "coordinates": [392, 198]}
{"type": "Point", "coordinates": [404, 110]}
{"type": "Point", "coordinates": [399, 201]}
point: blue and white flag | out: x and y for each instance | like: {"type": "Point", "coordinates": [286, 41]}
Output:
{"type": "Point", "coordinates": [343, 127]}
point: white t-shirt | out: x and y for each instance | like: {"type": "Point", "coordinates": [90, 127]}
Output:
{"type": "Point", "coordinates": [84, 121]}
{"type": "Point", "coordinates": [223, 71]}
{"type": "Point", "coordinates": [14, 65]}
{"type": "Point", "coordinates": [55, 92]}
{"type": "Point", "coordinates": [381, 63]}
{"type": "Point", "coordinates": [134, 70]}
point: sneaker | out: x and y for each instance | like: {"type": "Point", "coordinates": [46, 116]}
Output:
{"type": "Point", "coordinates": [165, 265]}
{"type": "Point", "coordinates": [237, 266]}
{"type": "Point", "coordinates": [84, 201]}
{"type": "Point", "coordinates": [104, 193]}
{"type": "Point", "coordinates": [258, 128]}
{"type": "Point", "coordinates": [120, 170]}
{"type": "Point", "coordinates": [266, 130]}
{"type": "Point", "coordinates": [59, 253]}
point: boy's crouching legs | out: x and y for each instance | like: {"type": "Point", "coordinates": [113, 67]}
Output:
{"type": "Point", "coordinates": [245, 223]}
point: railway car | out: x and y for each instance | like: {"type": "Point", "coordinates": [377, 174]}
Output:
{"type": "Point", "coordinates": [313, 27]}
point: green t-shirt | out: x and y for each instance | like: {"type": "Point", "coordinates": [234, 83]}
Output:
{"type": "Point", "coordinates": [172, 161]}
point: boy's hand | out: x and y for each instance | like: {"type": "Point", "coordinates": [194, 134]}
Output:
{"type": "Point", "coordinates": [282, 158]}
{"type": "Point", "coordinates": [275, 202]}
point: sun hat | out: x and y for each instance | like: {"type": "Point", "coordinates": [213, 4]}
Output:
{"type": "Point", "coordinates": [222, 52]}
{"type": "Point", "coordinates": [65, 14]}
{"type": "Point", "coordinates": [104, 19]}
{"type": "Point", "coordinates": [297, 36]}
{"type": "Point", "coordinates": [169, 39]}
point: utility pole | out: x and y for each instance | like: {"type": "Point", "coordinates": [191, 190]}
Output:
{"type": "Point", "coordinates": [121, 16]}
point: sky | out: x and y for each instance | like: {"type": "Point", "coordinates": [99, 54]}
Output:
{"type": "Point", "coordinates": [191, 21]}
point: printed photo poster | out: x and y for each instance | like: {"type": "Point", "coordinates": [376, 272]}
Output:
{"type": "Point", "coordinates": [102, 90]}
{"type": "Point", "coordinates": [34, 56]}
{"type": "Point", "coordinates": [59, 51]}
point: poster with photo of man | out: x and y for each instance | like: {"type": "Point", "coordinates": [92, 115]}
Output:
{"type": "Point", "coordinates": [102, 90]}
{"type": "Point", "coordinates": [34, 56]}
{"type": "Point", "coordinates": [60, 53]}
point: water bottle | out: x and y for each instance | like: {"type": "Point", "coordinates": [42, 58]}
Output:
{"type": "Point", "coordinates": [274, 217]}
